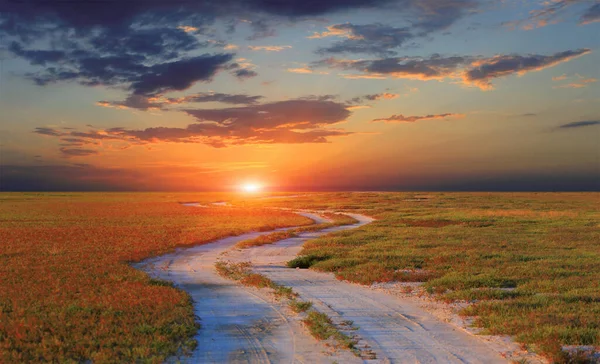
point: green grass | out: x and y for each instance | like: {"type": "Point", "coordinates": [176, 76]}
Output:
{"type": "Point", "coordinates": [336, 220]}
{"type": "Point", "coordinates": [321, 327]}
{"type": "Point", "coordinates": [242, 272]}
{"type": "Point", "coordinates": [528, 262]}
{"type": "Point", "coordinates": [319, 324]}
{"type": "Point", "coordinates": [299, 306]}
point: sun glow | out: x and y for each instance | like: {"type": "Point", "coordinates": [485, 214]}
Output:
{"type": "Point", "coordinates": [251, 187]}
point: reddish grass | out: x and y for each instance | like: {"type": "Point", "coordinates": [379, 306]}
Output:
{"type": "Point", "coordinates": [67, 293]}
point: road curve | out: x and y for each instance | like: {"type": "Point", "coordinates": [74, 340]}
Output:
{"type": "Point", "coordinates": [241, 325]}
{"type": "Point", "coordinates": [397, 330]}
{"type": "Point", "coordinates": [238, 324]}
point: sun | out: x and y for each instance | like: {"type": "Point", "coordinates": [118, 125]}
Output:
{"type": "Point", "coordinates": [251, 187]}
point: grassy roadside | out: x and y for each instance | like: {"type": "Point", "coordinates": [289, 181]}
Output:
{"type": "Point", "coordinates": [67, 291]}
{"type": "Point", "coordinates": [529, 263]}
{"type": "Point", "coordinates": [336, 220]}
{"type": "Point", "coordinates": [318, 324]}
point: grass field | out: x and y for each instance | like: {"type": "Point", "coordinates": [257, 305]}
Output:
{"type": "Point", "coordinates": [67, 293]}
{"type": "Point", "coordinates": [529, 262]}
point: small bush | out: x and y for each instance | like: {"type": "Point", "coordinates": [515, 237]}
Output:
{"type": "Point", "coordinates": [305, 261]}
{"type": "Point", "coordinates": [300, 306]}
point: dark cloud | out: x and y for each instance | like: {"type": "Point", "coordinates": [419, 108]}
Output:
{"type": "Point", "coordinates": [579, 124]}
{"type": "Point", "coordinates": [244, 73]}
{"type": "Point", "coordinates": [485, 70]}
{"type": "Point", "coordinates": [591, 15]}
{"type": "Point", "coordinates": [299, 113]}
{"type": "Point", "coordinates": [434, 15]}
{"type": "Point", "coordinates": [425, 17]}
{"type": "Point", "coordinates": [179, 75]}
{"type": "Point", "coordinates": [477, 71]}
{"type": "Point", "coordinates": [375, 38]}
{"type": "Point", "coordinates": [36, 57]}
{"type": "Point", "coordinates": [76, 141]}
{"type": "Point", "coordinates": [434, 67]}
{"type": "Point", "coordinates": [47, 131]}
{"type": "Point", "coordinates": [151, 47]}
{"type": "Point", "coordinates": [552, 12]}
{"type": "Point", "coordinates": [290, 122]}
{"type": "Point", "coordinates": [411, 119]}
{"type": "Point", "coordinates": [319, 97]}
{"type": "Point", "coordinates": [373, 97]}
{"type": "Point", "coordinates": [77, 152]}
{"type": "Point", "coordinates": [141, 102]}
{"type": "Point", "coordinates": [221, 97]}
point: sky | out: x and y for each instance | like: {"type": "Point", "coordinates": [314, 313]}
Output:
{"type": "Point", "coordinates": [294, 95]}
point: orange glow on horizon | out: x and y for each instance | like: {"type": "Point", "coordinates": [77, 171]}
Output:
{"type": "Point", "coordinates": [251, 187]}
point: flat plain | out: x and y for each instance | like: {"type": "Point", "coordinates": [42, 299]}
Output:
{"type": "Point", "coordinates": [526, 264]}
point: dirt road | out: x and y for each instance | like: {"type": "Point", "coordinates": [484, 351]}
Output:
{"type": "Point", "coordinates": [246, 326]}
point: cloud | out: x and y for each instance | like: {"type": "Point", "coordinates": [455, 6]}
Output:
{"type": "Point", "coordinates": [434, 67]}
{"type": "Point", "coordinates": [550, 12]}
{"type": "Point", "coordinates": [580, 124]}
{"type": "Point", "coordinates": [36, 57]}
{"type": "Point", "coordinates": [581, 84]}
{"type": "Point", "coordinates": [375, 38]}
{"type": "Point", "coordinates": [373, 97]}
{"type": "Point", "coordinates": [592, 15]}
{"type": "Point", "coordinates": [559, 78]}
{"type": "Point", "coordinates": [77, 152]}
{"type": "Point", "coordinates": [411, 119]}
{"type": "Point", "coordinates": [152, 47]}
{"type": "Point", "coordinates": [219, 97]}
{"type": "Point", "coordinates": [188, 29]}
{"type": "Point", "coordinates": [179, 75]}
{"type": "Point", "coordinates": [361, 77]}
{"type": "Point", "coordinates": [485, 70]}
{"type": "Point", "coordinates": [383, 95]}
{"type": "Point", "coordinates": [304, 120]}
{"type": "Point", "coordinates": [140, 102]}
{"type": "Point", "coordinates": [269, 48]}
{"type": "Point", "coordinates": [299, 113]}
{"type": "Point", "coordinates": [306, 70]}
{"type": "Point", "coordinates": [47, 131]}
{"type": "Point", "coordinates": [470, 70]}
{"type": "Point", "coordinates": [300, 70]}
{"type": "Point", "coordinates": [245, 73]}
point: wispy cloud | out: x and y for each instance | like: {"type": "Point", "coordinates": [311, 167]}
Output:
{"type": "Point", "coordinates": [559, 78]}
{"type": "Point", "coordinates": [580, 82]}
{"type": "Point", "coordinates": [269, 48]}
{"type": "Point", "coordinates": [160, 102]}
{"type": "Point", "coordinates": [411, 119]}
{"type": "Point", "coordinates": [580, 124]}
{"type": "Point", "coordinates": [303, 120]}
{"type": "Point", "coordinates": [472, 71]}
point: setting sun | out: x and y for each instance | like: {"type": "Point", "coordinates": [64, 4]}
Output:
{"type": "Point", "coordinates": [251, 187]}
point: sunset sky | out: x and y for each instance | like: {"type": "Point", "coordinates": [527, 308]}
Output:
{"type": "Point", "coordinates": [300, 94]}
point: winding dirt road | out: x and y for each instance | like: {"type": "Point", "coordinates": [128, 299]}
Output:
{"type": "Point", "coordinates": [245, 325]}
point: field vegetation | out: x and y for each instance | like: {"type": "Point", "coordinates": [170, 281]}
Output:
{"type": "Point", "coordinates": [335, 220]}
{"type": "Point", "coordinates": [528, 262]}
{"type": "Point", "coordinates": [319, 324]}
{"type": "Point", "coordinates": [67, 291]}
